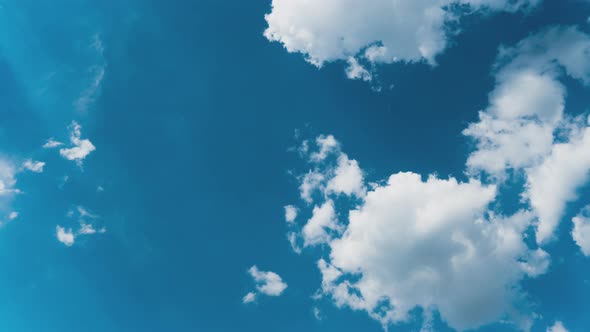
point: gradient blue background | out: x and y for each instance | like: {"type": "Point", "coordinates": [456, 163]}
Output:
{"type": "Point", "coordinates": [192, 127]}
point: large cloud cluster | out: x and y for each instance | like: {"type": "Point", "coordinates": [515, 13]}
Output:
{"type": "Point", "coordinates": [444, 245]}
{"type": "Point", "coordinates": [416, 242]}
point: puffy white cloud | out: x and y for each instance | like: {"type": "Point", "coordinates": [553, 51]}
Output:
{"type": "Point", "coordinates": [554, 182]}
{"type": "Point", "coordinates": [80, 147]}
{"type": "Point", "coordinates": [291, 213]}
{"type": "Point", "coordinates": [524, 127]}
{"type": "Point", "coordinates": [34, 166]}
{"type": "Point", "coordinates": [526, 107]}
{"type": "Point", "coordinates": [64, 236]}
{"type": "Point", "coordinates": [557, 327]}
{"type": "Point", "coordinates": [581, 230]}
{"type": "Point", "coordinates": [431, 243]}
{"type": "Point", "coordinates": [378, 31]}
{"type": "Point", "coordinates": [517, 128]}
{"type": "Point", "coordinates": [267, 283]}
{"type": "Point", "coordinates": [13, 215]}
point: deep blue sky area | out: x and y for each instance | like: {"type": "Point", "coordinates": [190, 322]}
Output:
{"type": "Point", "coordinates": [194, 127]}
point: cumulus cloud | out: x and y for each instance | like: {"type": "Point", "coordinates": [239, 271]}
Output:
{"type": "Point", "coordinates": [525, 128]}
{"type": "Point", "coordinates": [34, 166]}
{"type": "Point", "coordinates": [581, 230]}
{"type": "Point", "coordinates": [80, 148]}
{"type": "Point", "coordinates": [399, 30]}
{"type": "Point", "coordinates": [557, 327]}
{"type": "Point", "coordinates": [267, 283]}
{"type": "Point", "coordinates": [426, 242]}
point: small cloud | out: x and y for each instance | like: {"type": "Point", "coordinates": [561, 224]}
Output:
{"type": "Point", "coordinates": [64, 236]}
{"type": "Point", "coordinates": [267, 283]}
{"type": "Point", "coordinates": [249, 298]}
{"type": "Point", "coordinates": [13, 215]}
{"type": "Point", "coordinates": [291, 213]}
{"type": "Point", "coordinates": [34, 166]}
{"type": "Point", "coordinates": [80, 149]}
{"type": "Point", "coordinates": [317, 314]}
{"type": "Point", "coordinates": [85, 220]}
{"type": "Point", "coordinates": [51, 143]}
{"type": "Point", "coordinates": [83, 212]}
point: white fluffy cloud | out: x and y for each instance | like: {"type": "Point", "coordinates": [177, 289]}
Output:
{"type": "Point", "coordinates": [291, 213]}
{"type": "Point", "coordinates": [399, 30]}
{"type": "Point", "coordinates": [34, 166]}
{"type": "Point", "coordinates": [267, 283]}
{"type": "Point", "coordinates": [80, 148]}
{"type": "Point", "coordinates": [430, 243]}
{"type": "Point", "coordinates": [557, 327]}
{"type": "Point", "coordinates": [581, 230]}
{"type": "Point", "coordinates": [525, 128]}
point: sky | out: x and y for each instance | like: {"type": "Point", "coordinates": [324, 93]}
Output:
{"type": "Point", "coordinates": [294, 165]}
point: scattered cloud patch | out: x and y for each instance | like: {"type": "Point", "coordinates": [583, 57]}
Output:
{"type": "Point", "coordinates": [267, 283]}
{"type": "Point", "coordinates": [86, 226]}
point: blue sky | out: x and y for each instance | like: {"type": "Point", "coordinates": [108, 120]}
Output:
{"type": "Point", "coordinates": [290, 165]}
